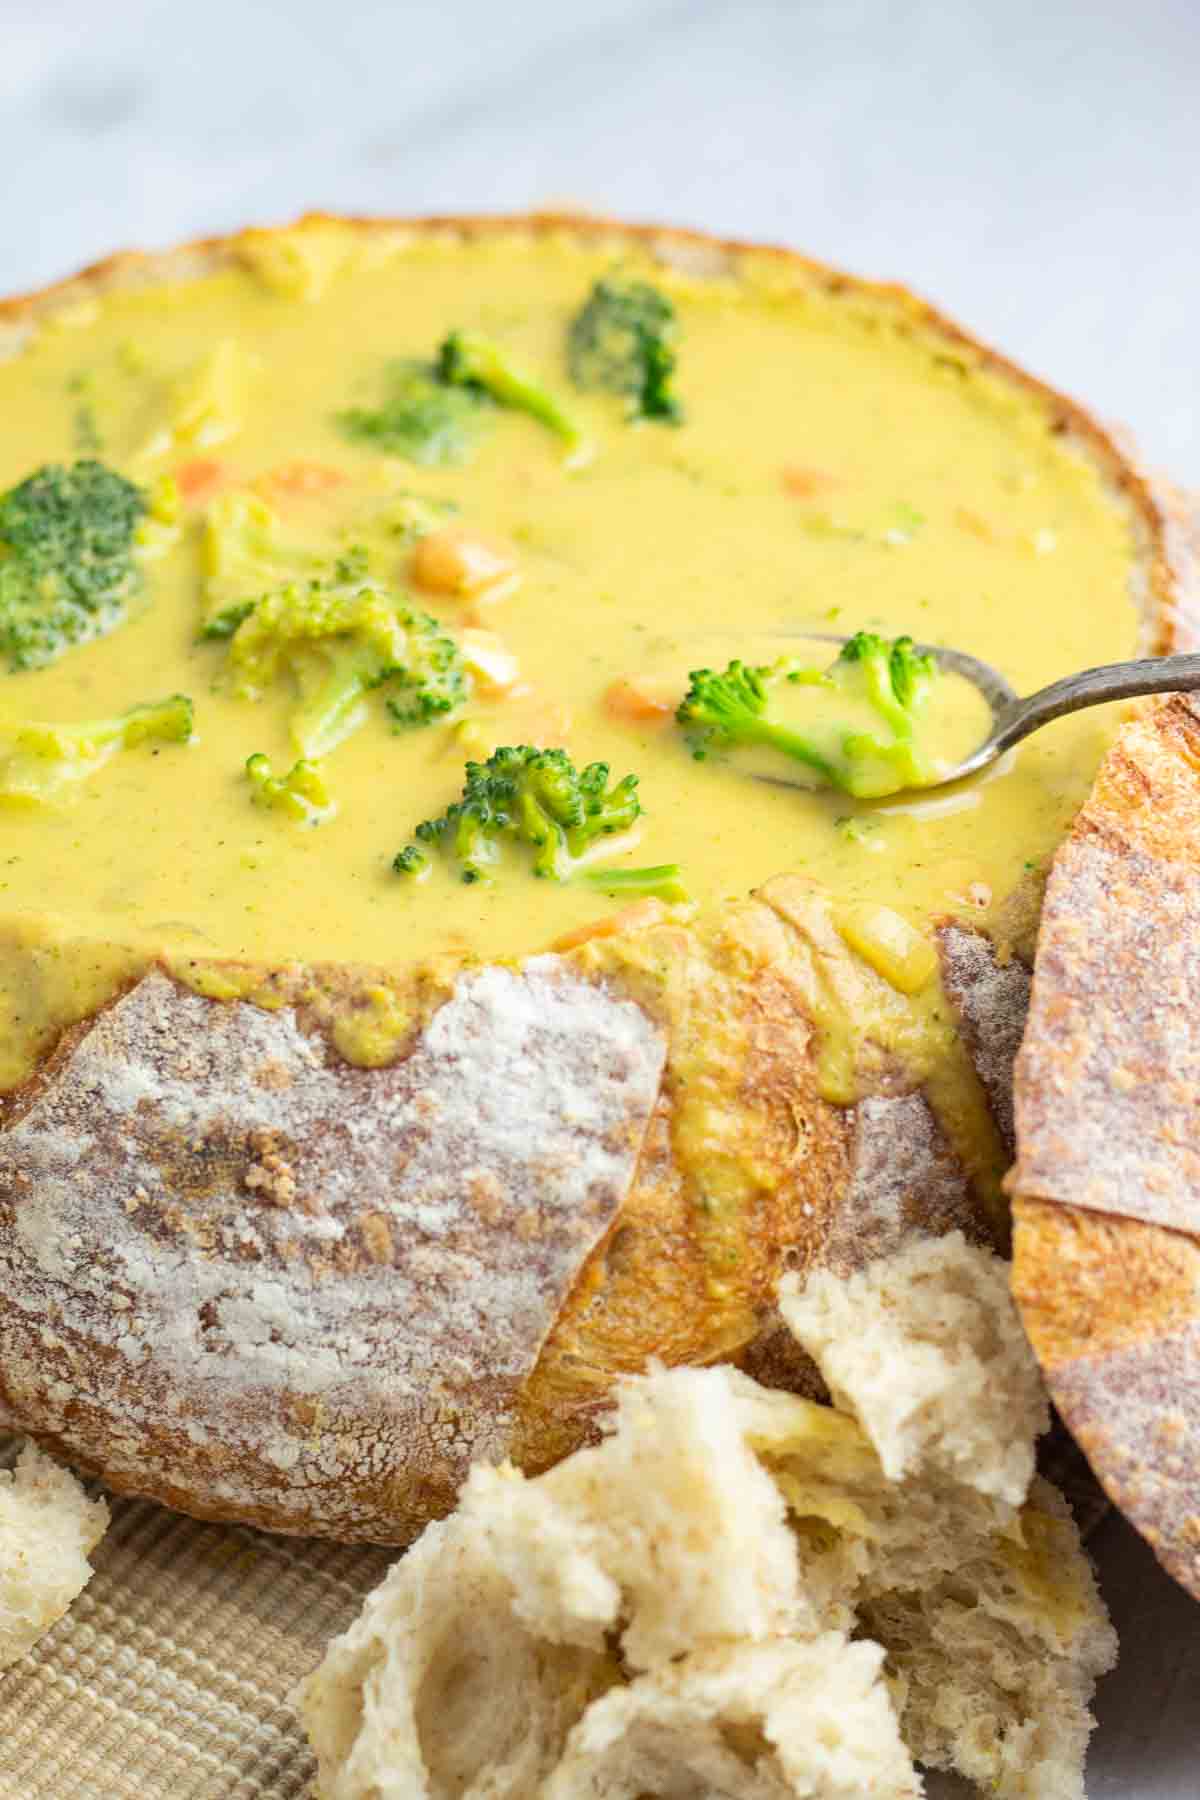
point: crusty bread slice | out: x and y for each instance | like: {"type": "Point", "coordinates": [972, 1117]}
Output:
{"type": "Point", "coordinates": [1107, 1180]}
{"type": "Point", "coordinates": [706, 1601]}
{"type": "Point", "coordinates": [48, 1528]}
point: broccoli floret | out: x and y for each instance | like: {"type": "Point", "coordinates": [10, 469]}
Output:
{"type": "Point", "coordinates": [246, 553]}
{"type": "Point", "coordinates": [539, 800]}
{"type": "Point", "coordinates": [41, 763]}
{"type": "Point", "coordinates": [622, 340]}
{"type": "Point", "coordinates": [434, 412]}
{"type": "Point", "coordinates": [472, 362]}
{"type": "Point", "coordinates": [434, 680]}
{"type": "Point", "coordinates": [339, 637]}
{"type": "Point", "coordinates": [888, 683]}
{"type": "Point", "coordinates": [302, 793]}
{"type": "Point", "coordinates": [421, 417]}
{"type": "Point", "coordinates": [68, 538]}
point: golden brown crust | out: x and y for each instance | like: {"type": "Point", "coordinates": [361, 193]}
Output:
{"type": "Point", "coordinates": [1111, 1309]}
{"type": "Point", "coordinates": [1107, 1180]}
{"type": "Point", "coordinates": [745, 1173]}
{"type": "Point", "coordinates": [743, 1169]}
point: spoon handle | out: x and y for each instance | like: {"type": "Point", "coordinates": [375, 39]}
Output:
{"type": "Point", "coordinates": [1092, 687]}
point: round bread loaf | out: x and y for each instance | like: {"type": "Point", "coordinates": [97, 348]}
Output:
{"type": "Point", "coordinates": [246, 1275]}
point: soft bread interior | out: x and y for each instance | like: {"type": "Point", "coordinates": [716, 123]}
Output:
{"type": "Point", "coordinates": [732, 1594]}
{"type": "Point", "coordinates": [48, 1527]}
{"type": "Point", "coordinates": [927, 1352]}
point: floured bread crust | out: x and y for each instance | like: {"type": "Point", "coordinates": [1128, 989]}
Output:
{"type": "Point", "coordinates": [1107, 1179]}
{"type": "Point", "coordinates": [246, 1279]}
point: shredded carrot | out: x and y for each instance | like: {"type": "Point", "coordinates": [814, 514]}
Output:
{"type": "Point", "coordinates": [304, 478]}
{"type": "Point", "coordinates": [199, 478]}
{"type": "Point", "coordinates": [804, 484]}
{"type": "Point", "coordinates": [635, 917]}
{"type": "Point", "coordinates": [976, 524]}
{"type": "Point", "coordinates": [634, 697]}
{"type": "Point", "coordinates": [528, 717]}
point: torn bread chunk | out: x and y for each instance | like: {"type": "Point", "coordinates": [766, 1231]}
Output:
{"type": "Point", "coordinates": [995, 1662]}
{"type": "Point", "coordinates": [731, 1595]}
{"type": "Point", "coordinates": [437, 1690]}
{"type": "Point", "coordinates": [672, 1519]}
{"type": "Point", "coordinates": [48, 1527]}
{"type": "Point", "coordinates": [993, 1626]}
{"type": "Point", "coordinates": [925, 1348]}
{"type": "Point", "coordinates": [759, 1721]}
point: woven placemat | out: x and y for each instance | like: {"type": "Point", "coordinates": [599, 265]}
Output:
{"type": "Point", "coordinates": [169, 1677]}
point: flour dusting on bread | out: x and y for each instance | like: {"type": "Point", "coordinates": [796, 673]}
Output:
{"type": "Point", "coordinates": [740, 1591]}
{"type": "Point", "coordinates": [48, 1527]}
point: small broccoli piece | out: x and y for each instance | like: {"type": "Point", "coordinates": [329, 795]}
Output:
{"type": "Point", "coordinates": [868, 751]}
{"type": "Point", "coordinates": [421, 417]}
{"type": "Point", "coordinates": [247, 551]}
{"type": "Point", "coordinates": [724, 709]}
{"type": "Point", "coordinates": [434, 680]}
{"type": "Point", "coordinates": [896, 677]}
{"type": "Point", "coordinates": [338, 638]}
{"type": "Point", "coordinates": [622, 340]}
{"type": "Point", "coordinates": [42, 763]}
{"type": "Point", "coordinates": [663, 882]}
{"type": "Point", "coordinates": [472, 362]}
{"type": "Point", "coordinates": [68, 542]}
{"type": "Point", "coordinates": [302, 793]}
{"type": "Point", "coordinates": [410, 861]}
{"type": "Point", "coordinates": [539, 800]}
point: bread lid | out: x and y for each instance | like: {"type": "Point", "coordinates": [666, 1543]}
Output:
{"type": "Point", "coordinates": [1106, 1184]}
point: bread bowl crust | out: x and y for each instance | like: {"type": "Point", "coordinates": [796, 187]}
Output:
{"type": "Point", "coordinates": [797, 1179]}
{"type": "Point", "coordinates": [1107, 1181]}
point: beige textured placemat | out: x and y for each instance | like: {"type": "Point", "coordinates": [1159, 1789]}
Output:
{"type": "Point", "coordinates": [168, 1679]}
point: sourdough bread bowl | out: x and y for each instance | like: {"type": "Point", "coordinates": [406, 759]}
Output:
{"type": "Point", "coordinates": [317, 1183]}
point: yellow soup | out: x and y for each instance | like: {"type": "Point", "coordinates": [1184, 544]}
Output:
{"type": "Point", "coordinates": [838, 466]}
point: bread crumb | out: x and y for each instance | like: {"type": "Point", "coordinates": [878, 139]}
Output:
{"type": "Point", "coordinates": [48, 1527]}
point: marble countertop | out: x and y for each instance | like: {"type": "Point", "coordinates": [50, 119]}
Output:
{"type": "Point", "coordinates": [1032, 165]}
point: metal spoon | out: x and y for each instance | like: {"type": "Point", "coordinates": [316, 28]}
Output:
{"type": "Point", "coordinates": [1013, 718]}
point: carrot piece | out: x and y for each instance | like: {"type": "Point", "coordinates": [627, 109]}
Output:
{"type": "Point", "coordinates": [976, 524]}
{"type": "Point", "coordinates": [635, 917]}
{"type": "Point", "coordinates": [304, 478]}
{"type": "Point", "coordinates": [197, 479]}
{"type": "Point", "coordinates": [462, 564]}
{"type": "Point", "coordinates": [804, 484]}
{"type": "Point", "coordinates": [639, 700]}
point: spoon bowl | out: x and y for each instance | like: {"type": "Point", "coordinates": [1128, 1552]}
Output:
{"type": "Point", "coordinates": [1014, 717]}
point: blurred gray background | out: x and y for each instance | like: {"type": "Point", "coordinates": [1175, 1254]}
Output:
{"type": "Point", "coordinates": [1033, 165]}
